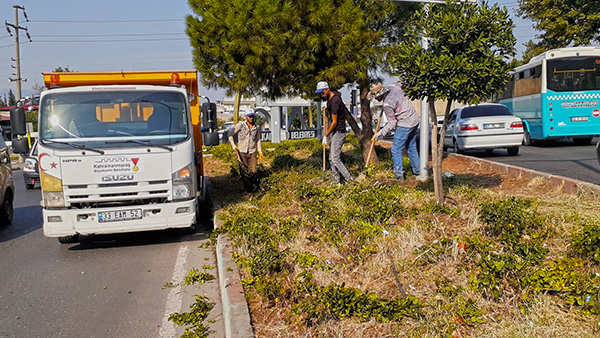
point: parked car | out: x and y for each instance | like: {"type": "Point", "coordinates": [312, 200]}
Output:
{"type": "Point", "coordinates": [31, 170]}
{"type": "Point", "coordinates": [7, 191]}
{"type": "Point", "coordinates": [484, 127]}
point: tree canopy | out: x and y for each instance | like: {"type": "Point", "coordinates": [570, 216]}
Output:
{"type": "Point", "coordinates": [280, 47]}
{"type": "Point", "coordinates": [466, 61]}
{"type": "Point", "coordinates": [561, 22]}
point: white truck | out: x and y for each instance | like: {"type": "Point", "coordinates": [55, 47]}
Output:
{"type": "Point", "coordinates": [121, 152]}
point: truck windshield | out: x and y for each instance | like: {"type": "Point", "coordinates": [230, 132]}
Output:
{"type": "Point", "coordinates": [104, 118]}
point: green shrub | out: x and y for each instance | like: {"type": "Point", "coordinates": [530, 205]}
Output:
{"type": "Point", "coordinates": [199, 312]}
{"type": "Point", "coordinates": [510, 216]}
{"type": "Point", "coordinates": [335, 301]}
{"type": "Point", "coordinates": [561, 277]}
{"type": "Point", "coordinates": [586, 243]}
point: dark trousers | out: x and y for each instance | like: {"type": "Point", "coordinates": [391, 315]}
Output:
{"type": "Point", "coordinates": [249, 161]}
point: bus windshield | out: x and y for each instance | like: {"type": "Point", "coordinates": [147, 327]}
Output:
{"type": "Point", "coordinates": [113, 118]}
{"type": "Point", "coordinates": [574, 74]}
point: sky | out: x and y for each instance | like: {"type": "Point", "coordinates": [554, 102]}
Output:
{"type": "Point", "coordinates": [111, 35]}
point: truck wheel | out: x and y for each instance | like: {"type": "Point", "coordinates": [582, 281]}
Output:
{"type": "Point", "coordinates": [69, 239]}
{"type": "Point", "coordinates": [205, 213]}
{"type": "Point", "coordinates": [6, 210]}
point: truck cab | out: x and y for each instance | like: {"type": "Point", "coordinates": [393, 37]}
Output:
{"type": "Point", "coordinates": [120, 152]}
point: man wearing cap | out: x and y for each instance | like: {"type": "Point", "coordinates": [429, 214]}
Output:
{"type": "Point", "coordinates": [336, 111]}
{"type": "Point", "coordinates": [248, 147]}
{"type": "Point", "coordinates": [402, 117]}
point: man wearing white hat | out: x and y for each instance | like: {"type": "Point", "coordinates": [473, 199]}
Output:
{"type": "Point", "coordinates": [402, 117]}
{"type": "Point", "coordinates": [336, 111]}
{"type": "Point", "coordinates": [248, 147]}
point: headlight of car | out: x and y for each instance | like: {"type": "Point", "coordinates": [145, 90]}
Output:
{"type": "Point", "coordinates": [29, 165]}
{"type": "Point", "coordinates": [54, 199]}
{"type": "Point", "coordinates": [183, 183]}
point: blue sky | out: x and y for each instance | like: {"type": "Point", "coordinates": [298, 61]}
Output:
{"type": "Point", "coordinates": [143, 34]}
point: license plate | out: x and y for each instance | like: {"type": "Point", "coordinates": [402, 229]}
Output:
{"type": "Point", "coordinates": [121, 215]}
{"type": "Point", "coordinates": [493, 126]}
{"type": "Point", "coordinates": [579, 119]}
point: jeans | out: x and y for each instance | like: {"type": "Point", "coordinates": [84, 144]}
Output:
{"type": "Point", "coordinates": [405, 138]}
{"type": "Point", "coordinates": [337, 167]}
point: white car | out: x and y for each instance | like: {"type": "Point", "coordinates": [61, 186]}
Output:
{"type": "Point", "coordinates": [484, 127]}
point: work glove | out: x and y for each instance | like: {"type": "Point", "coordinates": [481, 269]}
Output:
{"type": "Point", "coordinates": [325, 142]}
{"type": "Point", "coordinates": [260, 156]}
{"type": "Point", "coordinates": [234, 148]}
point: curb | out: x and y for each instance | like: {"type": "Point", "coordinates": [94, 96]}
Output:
{"type": "Point", "coordinates": [236, 315]}
{"type": "Point", "coordinates": [567, 185]}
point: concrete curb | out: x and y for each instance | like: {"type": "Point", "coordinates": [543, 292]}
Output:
{"type": "Point", "coordinates": [236, 315]}
{"type": "Point", "coordinates": [567, 185]}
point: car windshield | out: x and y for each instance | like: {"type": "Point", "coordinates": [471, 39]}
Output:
{"type": "Point", "coordinates": [574, 74]}
{"type": "Point", "coordinates": [482, 111]}
{"type": "Point", "coordinates": [113, 119]}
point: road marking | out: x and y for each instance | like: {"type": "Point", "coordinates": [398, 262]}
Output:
{"type": "Point", "coordinates": [174, 299]}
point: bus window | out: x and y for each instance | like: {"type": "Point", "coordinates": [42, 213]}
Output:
{"type": "Point", "coordinates": [574, 74]}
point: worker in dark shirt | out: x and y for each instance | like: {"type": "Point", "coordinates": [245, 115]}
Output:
{"type": "Point", "coordinates": [336, 111]}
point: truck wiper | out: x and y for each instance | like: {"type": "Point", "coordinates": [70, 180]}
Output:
{"type": "Point", "coordinates": [145, 143]}
{"type": "Point", "coordinates": [76, 145]}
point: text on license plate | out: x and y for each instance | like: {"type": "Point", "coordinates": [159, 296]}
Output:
{"type": "Point", "coordinates": [579, 119]}
{"type": "Point", "coordinates": [493, 125]}
{"type": "Point", "coordinates": [121, 215]}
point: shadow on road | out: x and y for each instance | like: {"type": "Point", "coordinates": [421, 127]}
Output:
{"type": "Point", "coordinates": [25, 220]}
{"type": "Point", "coordinates": [145, 238]}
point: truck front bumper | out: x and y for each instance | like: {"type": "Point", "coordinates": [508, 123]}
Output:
{"type": "Point", "coordinates": [67, 222]}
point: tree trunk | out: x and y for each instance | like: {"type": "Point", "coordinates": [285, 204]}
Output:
{"type": "Point", "coordinates": [438, 150]}
{"type": "Point", "coordinates": [436, 158]}
{"type": "Point", "coordinates": [365, 133]}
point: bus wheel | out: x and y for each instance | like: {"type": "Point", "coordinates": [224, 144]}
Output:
{"type": "Point", "coordinates": [526, 137]}
{"type": "Point", "coordinates": [582, 141]}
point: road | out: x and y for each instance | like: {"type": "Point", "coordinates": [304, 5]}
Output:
{"type": "Point", "coordinates": [112, 286]}
{"type": "Point", "coordinates": [555, 157]}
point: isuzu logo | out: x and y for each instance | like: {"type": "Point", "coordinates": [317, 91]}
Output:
{"type": "Point", "coordinates": [117, 178]}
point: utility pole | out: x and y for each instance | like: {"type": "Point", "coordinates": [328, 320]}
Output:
{"type": "Point", "coordinates": [17, 58]}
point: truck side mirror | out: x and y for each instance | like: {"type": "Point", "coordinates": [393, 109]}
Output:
{"type": "Point", "coordinates": [18, 121]}
{"type": "Point", "coordinates": [210, 139]}
{"type": "Point", "coordinates": [210, 136]}
{"type": "Point", "coordinates": [209, 116]}
{"type": "Point", "coordinates": [20, 145]}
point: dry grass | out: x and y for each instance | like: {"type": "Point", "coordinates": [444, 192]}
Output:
{"type": "Point", "coordinates": [423, 276]}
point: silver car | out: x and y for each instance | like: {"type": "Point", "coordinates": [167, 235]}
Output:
{"type": "Point", "coordinates": [484, 127]}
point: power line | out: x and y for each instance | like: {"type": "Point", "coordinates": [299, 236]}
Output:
{"type": "Point", "coordinates": [105, 21]}
{"type": "Point", "coordinates": [103, 35]}
{"type": "Point", "coordinates": [116, 40]}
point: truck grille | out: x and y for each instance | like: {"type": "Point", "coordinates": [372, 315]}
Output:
{"type": "Point", "coordinates": [117, 194]}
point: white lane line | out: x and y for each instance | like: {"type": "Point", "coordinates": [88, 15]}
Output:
{"type": "Point", "coordinates": [174, 300]}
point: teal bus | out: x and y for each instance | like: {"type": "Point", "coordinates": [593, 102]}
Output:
{"type": "Point", "coordinates": [557, 95]}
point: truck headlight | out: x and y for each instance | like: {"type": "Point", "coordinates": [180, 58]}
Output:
{"type": "Point", "coordinates": [53, 199]}
{"type": "Point", "coordinates": [50, 183]}
{"type": "Point", "coordinates": [183, 183]}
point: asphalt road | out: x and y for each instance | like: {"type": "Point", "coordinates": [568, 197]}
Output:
{"type": "Point", "coordinates": [112, 286]}
{"type": "Point", "coordinates": [561, 158]}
